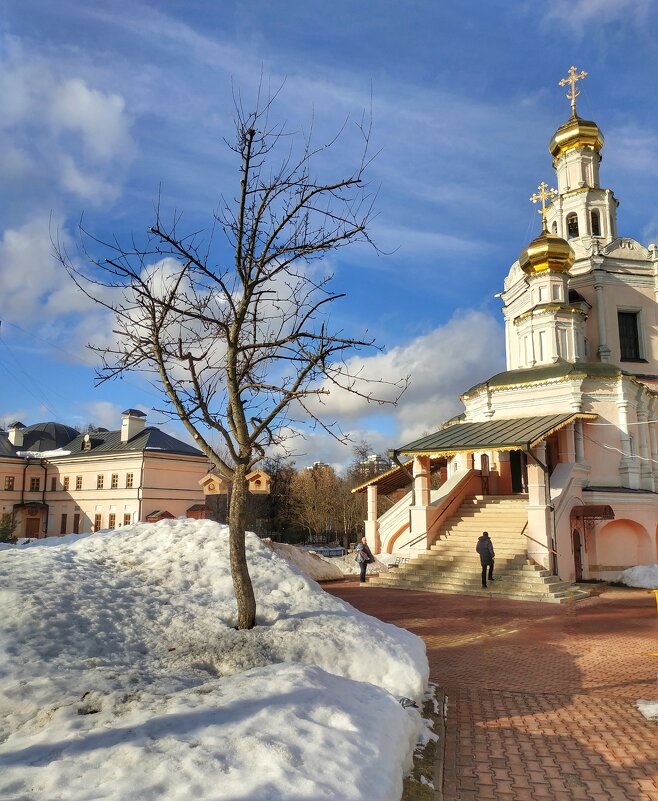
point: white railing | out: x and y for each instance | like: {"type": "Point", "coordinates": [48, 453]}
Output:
{"type": "Point", "coordinates": [394, 518]}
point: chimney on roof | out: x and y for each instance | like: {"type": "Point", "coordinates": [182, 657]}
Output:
{"type": "Point", "coordinates": [15, 434]}
{"type": "Point", "coordinates": [132, 424]}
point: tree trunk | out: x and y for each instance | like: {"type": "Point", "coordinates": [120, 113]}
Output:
{"type": "Point", "coordinates": [242, 586]}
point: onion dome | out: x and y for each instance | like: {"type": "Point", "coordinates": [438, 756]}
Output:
{"type": "Point", "coordinates": [547, 252]}
{"type": "Point", "coordinates": [576, 132]}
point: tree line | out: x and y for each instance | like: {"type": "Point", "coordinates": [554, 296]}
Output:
{"type": "Point", "coordinates": [313, 504]}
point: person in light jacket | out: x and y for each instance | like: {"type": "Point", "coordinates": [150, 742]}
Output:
{"type": "Point", "coordinates": [486, 550]}
{"type": "Point", "coordinates": [364, 557]}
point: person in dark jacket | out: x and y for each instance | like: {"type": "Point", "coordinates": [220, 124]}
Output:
{"type": "Point", "coordinates": [364, 557]}
{"type": "Point", "coordinates": [486, 550]}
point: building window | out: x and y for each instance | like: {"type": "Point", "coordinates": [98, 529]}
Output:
{"type": "Point", "coordinates": [62, 527]}
{"type": "Point", "coordinates": [629, 336]}
{"type": "Point", "coordinates": [99, 482]}
{"type": "Point", "coordinates": [9, 483]}
{"type": "Point", "coordinates": [76, 523]}
{"type": "Point", "coordinates": [572, 226]}
{"type": "Point", "coordinates": [53, 484]}
{"type": "Point", "coordinates": [78, 482]}
{"type": "Point", "coordinates": [129, 480]}
{"type": "Point", "coordinates": [557, 295]}
{"type": "Point", "coordinates": [127, 519]}
{"type": "Point", "coordinates": [98, 522]}
{"type": "Point", "coordinates": [112, 520]}
{"type": "Point", "coordinates": [596, 222]}
{"type": "Point", "coordinates": [115, 480]}
{"type": "Point", "coordinates": [35, 484]}
{"type": "Point", "coordinates": [65, 482]}
{"type": "Point", "coordinates": [555, 227]}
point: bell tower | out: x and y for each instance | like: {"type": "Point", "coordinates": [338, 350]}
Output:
{"type": "Point", "coordinates": [582, 210]}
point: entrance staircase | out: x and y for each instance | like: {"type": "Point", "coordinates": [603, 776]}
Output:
{"type": "Point", "coordinates": [451, 565]}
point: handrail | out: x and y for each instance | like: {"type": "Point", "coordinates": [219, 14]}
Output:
{"type": "Point", "coordinates": [550, 550]}
{"type": "Point", "coordinates": [441, 516]}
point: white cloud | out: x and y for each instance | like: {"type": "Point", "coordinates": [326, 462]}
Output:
{"type": "Point", "coordinates": [27, 269]}
{"type": "Point", "coordinates": [632, 149]}
{"type": "Point", "coordinates": [576, 14]}
{"type": "Point", "coordinates": [59, 132]}
{"type": "Point", "coordinates": [102, 413]}
{"type": "Point", "coordinates": [9, 417]}
{"type": "Point", "coordinates": [441, 365]}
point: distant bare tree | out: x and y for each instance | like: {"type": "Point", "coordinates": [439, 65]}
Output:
{"type": "Point", "coordinates": [234, 324]}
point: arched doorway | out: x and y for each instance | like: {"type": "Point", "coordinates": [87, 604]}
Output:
{"type": "Point", "coordinates": [577, 547]}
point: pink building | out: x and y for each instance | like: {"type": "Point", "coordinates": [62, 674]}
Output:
{"type": "Point", "coordinates": [54, 480]}
{"type": "Point", "coordinates": [558, 455]}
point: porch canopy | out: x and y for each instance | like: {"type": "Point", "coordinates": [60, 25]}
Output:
{"type": "Point", "coordinates": [516, 434]}
{"type": "Point", "coordinates": [396, 478]}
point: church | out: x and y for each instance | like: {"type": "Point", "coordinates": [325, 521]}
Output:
{"type": "Point", "coordinates": [557, 457]}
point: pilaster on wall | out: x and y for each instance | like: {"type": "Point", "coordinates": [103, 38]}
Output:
{"type": "Point", "coordinates": [646, 472]}
{"type": "Point", "coordinates": [628, 468]}
{"type": "Point", "coordinates": [421, 473]}
{"type": "Point", "coordinates": [539, 510]}
{"type": "Point", "coordinates": [372, 524]}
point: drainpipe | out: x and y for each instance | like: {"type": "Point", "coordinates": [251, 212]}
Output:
{"type": "Point", "coordinates": [27, 464]}
{"type": "Point", "coordinates": [43, 494]}
{"type": "Point", "coordinates": [547, 498]}
{"type": "Point", "coordinates": [140, 490]}
{"type": "Point", "coordinates": [393, 454]}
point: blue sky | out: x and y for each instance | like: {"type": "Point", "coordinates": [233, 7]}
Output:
{"type": "Point", "coordinates": [103, 103]}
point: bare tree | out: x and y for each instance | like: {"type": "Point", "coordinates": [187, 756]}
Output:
{"type": "Point", "coordinates": [234, 323]}
{"type": "Point", "coordinates": [315, 495]}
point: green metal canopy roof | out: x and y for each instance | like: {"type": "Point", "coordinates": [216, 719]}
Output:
{"type": "Point", "coordinates": [519, 433]}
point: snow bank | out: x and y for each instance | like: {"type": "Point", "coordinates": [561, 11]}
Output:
{"type": "Point", "coordinates": [311, 564]}
{"type": "Point", "coordinates": [648, 708]}
{"type": "Point", "coordinates": [640, 576]}
{"type": "Point", "coordinates": [122, 677]}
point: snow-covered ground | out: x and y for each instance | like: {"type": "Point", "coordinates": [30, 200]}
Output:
{"type": "Point", "coordinates": [640, 576]}
{"type": "Point", "coordinates": [122, 677]}
{"type": "Point", "coordinates": [325, 568]}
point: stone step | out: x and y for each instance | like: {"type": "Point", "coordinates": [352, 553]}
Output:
{"type": "Point", "coordinates": [491, 593]}
{"type": "Point", "coordinates": [506, 582]}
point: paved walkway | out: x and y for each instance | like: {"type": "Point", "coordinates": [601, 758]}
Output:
{"type": "Point", "coordinates": [540, 697]}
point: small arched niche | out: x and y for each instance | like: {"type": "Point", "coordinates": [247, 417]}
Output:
{"type": "Point", "coordinates": [572, 225]}
{"type": "Point", "coordinates": [595, 219]}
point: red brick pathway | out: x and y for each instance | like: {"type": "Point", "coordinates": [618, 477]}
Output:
{"type": "Point", "coordinates": [541, 698]}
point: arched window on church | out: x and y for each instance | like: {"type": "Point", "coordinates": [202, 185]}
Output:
{"type": "Point", "coordinates": [596, 222]}
{"type": "Point", "coordinates": [555, 227]}
{"type": "Point", "coordinates": [572, 225]}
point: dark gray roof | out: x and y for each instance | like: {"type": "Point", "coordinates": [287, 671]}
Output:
{"type": "Point", "coordinates": [150, 439]}
{"type": "Point", "coordinates": [519, 433]}
{"type": "Point", "coordinates": [6, 448]}
{"type": "Point", "coordinates": [134, 413]}
{"type": "Point", "coordinates": [47, 437]}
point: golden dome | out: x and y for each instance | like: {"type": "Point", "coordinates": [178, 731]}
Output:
{"type": "Point", "coordinates": [547, 252]}
{"type": "Point", "coordinates": [576, 132]}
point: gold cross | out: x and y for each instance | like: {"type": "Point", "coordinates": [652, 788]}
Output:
{"type": "Point", "coordinates": [573, 93]}
{"type": "Point", "coordinates": [543, 195]}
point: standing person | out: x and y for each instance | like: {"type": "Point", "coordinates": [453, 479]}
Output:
{"type": "Point", "coordinates": [486, 550]}
{"type": "Point", "coordinates": [364, 557]}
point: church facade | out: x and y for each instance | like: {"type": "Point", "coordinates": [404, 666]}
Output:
{"type": "Point", "coordinates": [570, 428]}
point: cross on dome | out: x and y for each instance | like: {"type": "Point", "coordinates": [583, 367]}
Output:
{"type": "Point", "coordinates": [542, 196]}
{"type": "Point", "coordinates": [573, 93]}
